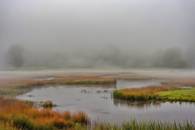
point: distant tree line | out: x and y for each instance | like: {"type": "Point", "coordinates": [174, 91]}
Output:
{"type": "Point", "coordinates": [169, 58]}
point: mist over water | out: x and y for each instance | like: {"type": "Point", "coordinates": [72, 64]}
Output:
{"type": "Point", "coordinates": [97, 33]}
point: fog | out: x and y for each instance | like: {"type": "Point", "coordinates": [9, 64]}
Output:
{"type": "Point", "coordinates": [97, 34]}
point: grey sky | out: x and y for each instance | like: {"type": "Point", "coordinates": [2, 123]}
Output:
{"type": "Point", "coordinates": [79, 24]}
{"type": "Point", "coordinates": [151, 22]}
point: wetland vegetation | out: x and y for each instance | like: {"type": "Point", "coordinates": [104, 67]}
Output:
{"type": "Point", "coordinates": [22, 115]}
{"type": "Point", "coordinates": [18, 115]}
{"type": "Point", "coordinates": [97, 65]}
{"type": "Point", "coordinates": [14, 88]}
{"type": "Point", "coordinates": [161, 93]}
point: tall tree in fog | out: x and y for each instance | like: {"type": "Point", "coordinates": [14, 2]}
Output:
{"type": "Point", "coordinates": [15, 56]}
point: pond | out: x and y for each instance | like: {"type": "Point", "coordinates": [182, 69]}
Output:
{"type": "Point", "coordinates": [98, 103]}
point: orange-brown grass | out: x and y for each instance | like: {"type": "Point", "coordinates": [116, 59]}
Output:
{"type": "Point", "coordinates": [145, 90]}
{"type": "Point", "coordinates": [19, 114]}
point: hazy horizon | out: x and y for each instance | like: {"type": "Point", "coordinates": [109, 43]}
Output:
{"type": "Point", "coordinates": [97, 33]}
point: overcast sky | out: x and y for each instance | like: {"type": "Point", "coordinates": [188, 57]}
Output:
{"type": "Point", "coordinates": [69, 24]}
{"type": "Point", "coordinates": [97, 22]}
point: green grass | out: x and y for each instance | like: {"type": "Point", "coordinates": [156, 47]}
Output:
{"type": "Point", "coordinates": [185, 94]}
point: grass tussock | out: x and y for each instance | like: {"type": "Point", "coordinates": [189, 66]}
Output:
{"type": "Point", "coordinates": [163, 93]}
{"type": "Point", "coordinates": [47, 104]}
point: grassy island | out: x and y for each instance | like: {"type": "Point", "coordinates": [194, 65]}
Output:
{"type": "Point", "coordinates": [163, 93]}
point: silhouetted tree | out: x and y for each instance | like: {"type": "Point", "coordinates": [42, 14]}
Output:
{"type": "Point", "coordinates": [15, 55]}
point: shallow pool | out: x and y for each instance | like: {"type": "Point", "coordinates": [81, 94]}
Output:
{"type": "Point", "coordinates": [98, 103]}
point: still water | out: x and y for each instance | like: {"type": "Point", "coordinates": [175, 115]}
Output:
{"type": "Point", "coordinates": [98, 103]}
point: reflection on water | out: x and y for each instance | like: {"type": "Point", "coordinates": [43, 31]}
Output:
{"type": "Point", "coordinates": [136, 84]}
{"type": "Point", "coordinates": [138, 105]}
{"type": "Point", "coordinates": [98, 103]}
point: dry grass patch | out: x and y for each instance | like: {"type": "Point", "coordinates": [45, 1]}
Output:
{"type": "Point", "coordinates": [22, 116]}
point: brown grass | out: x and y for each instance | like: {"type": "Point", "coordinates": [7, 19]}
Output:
{"type": "Point", "coordinates": [17, 111]}
{"type": "Point", "coordinates": [152, 90]}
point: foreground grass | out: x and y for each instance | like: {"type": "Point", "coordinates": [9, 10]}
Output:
{"type": "Point", "coordinates": [135, 125]}
{"type": "Point", "coordinates": [163, 93]}
{"type": "Point", "coordinates": [17, 115]}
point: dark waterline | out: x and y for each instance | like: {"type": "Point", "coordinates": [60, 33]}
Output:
{"type": "Point", "coordinates": [98, 103]}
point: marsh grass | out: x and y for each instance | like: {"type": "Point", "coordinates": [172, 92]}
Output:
{"type": "Point", "coordinates": [17, 115]}
{"type": "Point", "coordinates": [21, 116]}
{"type": "Point", "coordinates": [146, 125]}
{"type": "Point", "coordinates": [140, 94]}
{"type": "Point", "coordinates": [161, 93]}
{"type": "Point", "coordinates": [14, 88]}
{"type": "Point", "coordinates": [185, 94]}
